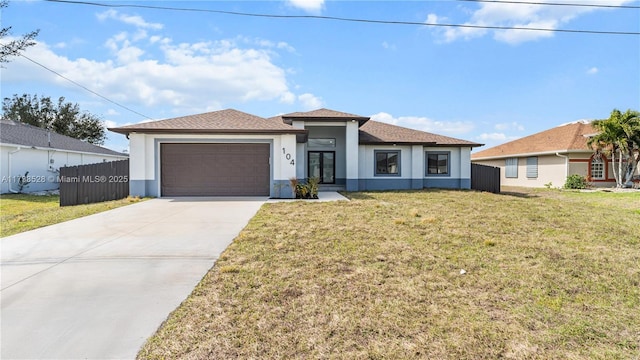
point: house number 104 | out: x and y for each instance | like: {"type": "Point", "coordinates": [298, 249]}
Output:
{"type": "Point", "coordinates": [288, 156]}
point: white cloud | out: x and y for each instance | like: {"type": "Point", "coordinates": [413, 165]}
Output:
{"type": "Point", "coordinates": [312, 6]}
{"type": "Point", "coordinates": [189, 76]}
{"type": "Point", "coordinates": [134, 20]}
{"type": "Point", "coordinates": [388, 46]}
{"type": "Point", "coordinates": [509, 126]}
{"type": "Point", "coordinates": [594, 70]}
{"type": "Point", "coordinates": [288, 98]}
{"type": "Point", "coordinates": [110, 123]}
{"type": "Point", "coordinates": [493, 136]}
{"type": "Point", "coordinates": [515, 15]}
{"type": "Point", "coordinates": [432, 19]}
{"type": "Point", "coordinates": [310, 101]}
{"type": "Point", "coordinates": [426, 124]}
{"type": "Point", "coordinates": [494, 139]}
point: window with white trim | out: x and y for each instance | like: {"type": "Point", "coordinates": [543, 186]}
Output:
{"type": "Point", "coordinates": [597, 168]}
{"type": "Point", "coordinates": [511, 168]}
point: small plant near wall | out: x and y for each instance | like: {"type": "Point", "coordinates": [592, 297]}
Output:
{"type": "Point", "coordinates": [307, 190]}
{"type": "Point", "coordinates": [23, 182]}
{"type": "Point", "coordinates": [576, 181]}
{"type": "Point", "coordinates": [313, 187]}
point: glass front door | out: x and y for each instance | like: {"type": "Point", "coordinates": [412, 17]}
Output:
{"type": "Point", "coordinates": [323, 166]}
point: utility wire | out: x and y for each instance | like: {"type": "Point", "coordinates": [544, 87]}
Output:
{"type": "Point", "coordinates": [85, 88]}
{"type": "Point", "coordinates": [335, 18]}
{"type": "Point", "coordinates": [556, 4]}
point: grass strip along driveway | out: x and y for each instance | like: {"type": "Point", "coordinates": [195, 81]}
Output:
{"type": "Point", "coordinates": [23, 212]}
{"type": "Point", "coordinates": [547, 274]}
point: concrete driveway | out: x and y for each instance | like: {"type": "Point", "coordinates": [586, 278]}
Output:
{"type": "Point", "coordinates": [99, 286]}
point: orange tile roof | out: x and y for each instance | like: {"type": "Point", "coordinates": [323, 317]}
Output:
{"type": "Point", "coordinates": [223, 121]}
{"type": "Point", "coordinates": [564, 138]}
{"type": "Point", "coordinates": [375, 132]}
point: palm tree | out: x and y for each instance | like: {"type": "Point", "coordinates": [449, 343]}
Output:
{"type": "Point", "coordinates": [619, 136]}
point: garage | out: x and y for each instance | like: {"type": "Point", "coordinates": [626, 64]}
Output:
{"type": "Point", "coordinates": [232, 169]}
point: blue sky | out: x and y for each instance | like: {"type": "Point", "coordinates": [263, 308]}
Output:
{"type": "Point", "coordinates": [488, 86]}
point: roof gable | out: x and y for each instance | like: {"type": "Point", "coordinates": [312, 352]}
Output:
{"type": "Point", "coordinates": [323, 115]}
{"type": "Point", "coordinates": [375, 132]}
{"type": "Point", "coordinates": [570, 137]}
{"type": "Point", "coordinates": [223, 121]}
{"type": "Point", "coordinates": [17, 133]}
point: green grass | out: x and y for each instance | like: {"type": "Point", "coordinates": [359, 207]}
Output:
{"type": "Point", "coordinates": [23, 212]}
{"type": "Point", "coordinates": [549, 275]}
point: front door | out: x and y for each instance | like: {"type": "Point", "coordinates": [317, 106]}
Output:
{"type": "Point", "coordinates": [322, 165]}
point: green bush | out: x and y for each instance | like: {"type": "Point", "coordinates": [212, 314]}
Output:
{"type": "Point", "coordinates": [575, 181]}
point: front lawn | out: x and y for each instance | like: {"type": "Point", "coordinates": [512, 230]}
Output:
{"type": "Point", "coordinates": [22, 212]}
{"type": "Point", "coordinates": [421, 275]}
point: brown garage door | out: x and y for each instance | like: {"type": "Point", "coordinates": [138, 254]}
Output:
{"type": "Point", "coordinates": [214, 169]}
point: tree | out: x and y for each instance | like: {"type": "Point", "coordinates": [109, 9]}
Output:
{"type": "Point", "coordinates": [62, 117]}
{"type": "Point", "coordinates": [14, 47]}
{"type": "Point", "coordinates": [619, 137]}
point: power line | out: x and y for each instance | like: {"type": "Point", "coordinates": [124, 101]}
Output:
{"type": "Point", "coordinates": [556, 4]}
{"type": "Point", "coordinates": [335, 18]}
{"type": "Point", "coordinates": [85, 88]}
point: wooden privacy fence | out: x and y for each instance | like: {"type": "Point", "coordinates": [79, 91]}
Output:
{"type": "Point", "coordinates": [485, 178]}
{"type": "Point", "coordinates": [86, 184]}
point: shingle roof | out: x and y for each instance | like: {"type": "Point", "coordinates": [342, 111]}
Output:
{"type": "Point", "coordinates": [374, 132]}
{"type": "Point", "coordinates": [17, 133]}
{"type": "Point", "coordinates": [570, 137]}
{"type": "Point", "coordinates": [223, 121]}
{"type": "Point", "coordinates": [234, 121]}
{"type": "Point", "coordinates": [323, 115]}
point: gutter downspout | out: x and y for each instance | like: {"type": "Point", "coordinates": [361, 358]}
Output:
{"type": "Point", "coordinates": [566, 164]}
{"type": "Point", "coordinates": [9, 164]}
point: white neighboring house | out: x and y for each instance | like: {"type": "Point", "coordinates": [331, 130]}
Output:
{"type": "Point", "coordinates": [26, 148]}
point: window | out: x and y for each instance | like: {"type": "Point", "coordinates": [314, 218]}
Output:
{"type": "Point", "coordinates": [597, 168]}
{"type": "Point", "coordinates": [329, 142]}
{"type": "Point", "coordinates": [387, 162]}
{"type": "Point", "coordinates": [438, 163]}
{"type": "Point", "coordinates": [532, 167]}
{"type": "Point", "coordinates": [511, 168]}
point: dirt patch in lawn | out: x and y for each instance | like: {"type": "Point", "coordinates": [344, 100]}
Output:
{"type": "Point", "coordinates": [420, 274]}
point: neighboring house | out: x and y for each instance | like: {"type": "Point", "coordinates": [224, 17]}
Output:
{"type": "Point", "coordinates": [26, 148]}
{"type": "Point", "coordinates": [549, 157]}
{"type": "Point", "coordinates": [229, 152]}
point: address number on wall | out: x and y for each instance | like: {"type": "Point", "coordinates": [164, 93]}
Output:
{"type": "Point", "coordinates": [288, 156]}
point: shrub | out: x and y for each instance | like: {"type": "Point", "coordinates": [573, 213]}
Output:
{"type": "Point", "coordinates": [575, 181]}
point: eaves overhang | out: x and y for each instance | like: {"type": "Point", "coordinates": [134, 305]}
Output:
{"type": "Point", "coordinates": [290, 119]}
{"type": "Point", "coordinates": [539, 153]}
{"type": "Point", "coordinates": [129, 130]}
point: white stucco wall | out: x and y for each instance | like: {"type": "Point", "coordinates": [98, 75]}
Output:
{"type": "Point", "coordinates": [42, 165]}
{"type": "Point", "coordinates": [367, 163]}
{"type": "Point", "coordinates": [144, 152]}
{"type": "Point", "coordinates": [413, 168]}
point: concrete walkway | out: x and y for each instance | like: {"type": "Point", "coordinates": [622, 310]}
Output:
{"type": "Point", "coordinates": [323, 196]}
{"type": "Point", "coordinates": [98, 287]}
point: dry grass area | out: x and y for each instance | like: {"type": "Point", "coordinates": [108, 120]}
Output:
{"type": "Point", "coordinates": [548, 275]}
{"type": "Point", "coordinates": [23, 212]}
